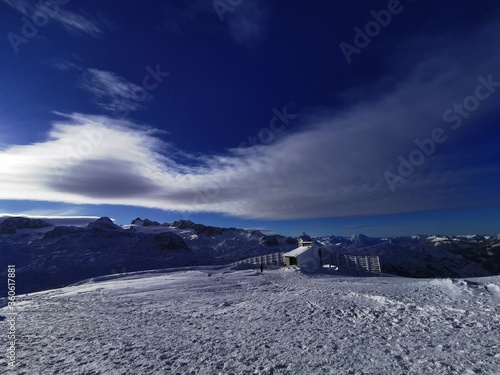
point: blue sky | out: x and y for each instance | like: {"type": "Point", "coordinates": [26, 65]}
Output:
{"type": "Point", "coordinates": [375, 117]}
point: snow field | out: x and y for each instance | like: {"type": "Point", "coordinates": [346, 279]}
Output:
{"type": "Point", "coordinates": [226, 321]}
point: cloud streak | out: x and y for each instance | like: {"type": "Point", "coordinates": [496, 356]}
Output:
{"type": "Point", "coordinates": [73, 22]}
{"type": "Point", "coordinates": [112, 92]}
{"type": "Point", "coordinates": [109, 90]}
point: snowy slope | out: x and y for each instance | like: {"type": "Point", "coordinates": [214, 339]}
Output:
{"type": "Point", "coordinates": [226, 321]}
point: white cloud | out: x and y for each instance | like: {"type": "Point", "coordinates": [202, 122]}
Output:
{"type": "Point", "coordinates": [73, 22]}
{"type": "Point", "coordinates": [334, 166]}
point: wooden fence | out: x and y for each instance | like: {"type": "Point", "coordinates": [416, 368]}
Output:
{"type": "Point", "coordinates": [357, 263]}
{"type": "Point", "coordinates": [343, 262]}
{"type": "Point", "coordinates": [268, 259]}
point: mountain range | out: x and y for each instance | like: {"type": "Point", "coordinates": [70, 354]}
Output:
{"type": "Point", "coordinates": [48, 256]}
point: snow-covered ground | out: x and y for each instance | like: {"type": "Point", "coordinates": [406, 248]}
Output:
{"type": "Point", "coordinates": [225, 321]}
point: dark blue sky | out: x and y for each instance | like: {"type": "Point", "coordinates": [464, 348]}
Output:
{"type": "Point", "coordinates": [370, 116]}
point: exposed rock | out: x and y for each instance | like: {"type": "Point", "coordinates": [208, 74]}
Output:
{"type": "Point", "coordinates": [269, 241]}
{"type": "Point", "coordinates": [150, 223]}
{"type": "Point", "coordinates": [104, 223]}
{"type": "Point", "coordinates": [170, 241]}
{"type": "Point", "coordinates": [199, 228]}
{"type": "Point", "coordinates": [62, 231]}
{"type": "Point", "coordinates": [145, 223]}
{"type": "Point", "coordinates": [137, 221]}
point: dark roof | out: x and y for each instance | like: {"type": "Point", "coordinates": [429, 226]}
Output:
{"type": "Point", "coordinates": [305, 237]}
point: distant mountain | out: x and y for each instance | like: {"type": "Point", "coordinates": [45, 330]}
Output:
{"type": "Point", "coordinates": [199, 228]}
{"type": "Point", "coordinates": [65, 255]}
{"type": "Point", "coordinates": [145, 223]}
{"type": "Point", "coordinates": [49, 257]}
{"type": "Point", "coordinates": [483, 250]}
{"type": "Point", "coordinates": [426, 256]}
{"type": "Point", "coordinates": [104, 223]}
{"type": "Point", "coordinates": [360, 240]}
{"type": "Point", "coordinates": [224, 245]}
{"type": "Point", "coordinates": [418, 260]}
{"type": "Point", "coordinates": [219, 245]}
{"type": "Point", "coordinates": [12, 224]}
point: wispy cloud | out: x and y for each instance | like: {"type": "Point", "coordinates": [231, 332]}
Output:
{"type": "Point", "coordinates": [113, 92]}
{"type": "Point", "coordinates": [245, 22]}
{"type": "Point", "coordinates": [109, 90]}
{"type": "Point", "coordinates": [62, 64]}
{"type": "Point", "coordinates": [77, 23]}
{"type": "Point", "coordinates": [334, 166]}
{"type": "Point", "coordinates": [73, 22]}
{"type": "Point", "coordinates": [249, 21]}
